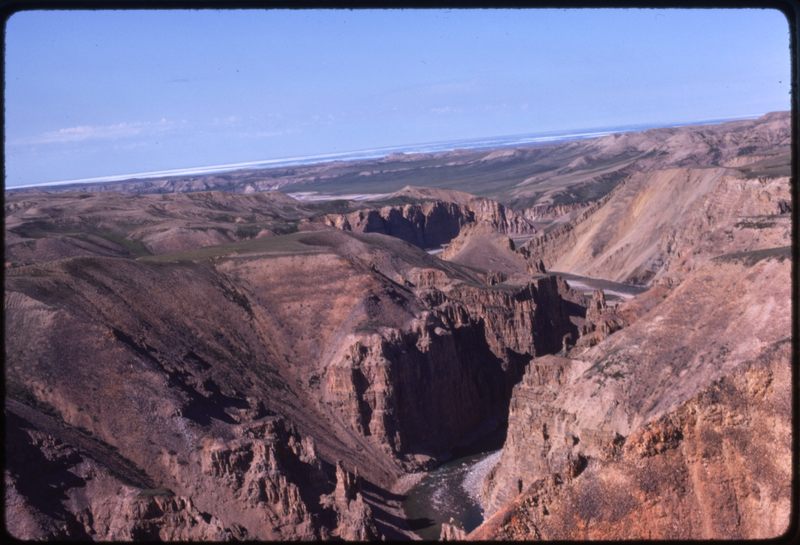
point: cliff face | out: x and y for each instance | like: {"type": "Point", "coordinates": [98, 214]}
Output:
{"type": "Point", "coordinates": [265, 482]}
{"type": "Point", "coordinates": [653, 424]}
{"type": "Point", "coordinates": [431, 224]}
{"type": "Point", "coordinates": [104, 498]}
{"type": "Point", "coordinates": [549, 244]}
{"type": "Point", "coordinates": [457, 361]}
{"type": "Point", "coordinates": [695, 473]}
{"type": "Point", "coordinates": [601, 320]}
{"type": "Point", "coordinates": [640, 437]}
{"type": "Point", "coordinates": [386, 386]}
{"type": "Point", "coordinates": [481, 247]}
{"type": "Point", "coordinates": [383, 357]}
{"type": "Point", "coordinates": [427, 225]}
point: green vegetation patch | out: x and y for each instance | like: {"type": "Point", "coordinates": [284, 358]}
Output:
{"type": "Point", "coordinates": [754, 256]}
{"type": "Point", "coordinates": [777, 166]}
{"type": "Point", "coordinates": [155, 492]}
{"type": "Point", "coordinates": [756, 223]}
{"type": "Point", "coordinates": [35, 229]}
{"type": "Point", "coordinates": [590, 191]}
{"type": "Point", "coordinates": [134, 247]}
{"type": "Point", "coordinates": [273, 246]}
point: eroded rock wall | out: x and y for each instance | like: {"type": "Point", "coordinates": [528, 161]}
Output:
{"type": "Point", "coordinates": [237, 391]}
{"type": "Point", "coordinates": [431, 224]}
{"type": "Point", "coordinates": [614, 440]}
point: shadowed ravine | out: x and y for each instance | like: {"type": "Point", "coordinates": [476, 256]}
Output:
{"type": "Point", "coordinates": [450, 491]}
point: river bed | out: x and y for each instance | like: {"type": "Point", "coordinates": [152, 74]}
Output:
{"type": "Point", "coordinates": [613, 290]}
{"type": "Point", "coordinates": [449, 491]}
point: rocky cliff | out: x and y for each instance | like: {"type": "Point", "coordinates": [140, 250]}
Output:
{"type": "Point", "coordinates": [433, 223]}
{"type": "Point", "coordinates": [613, 441]}
{"type": "Point", "coordinates": [383, 357]}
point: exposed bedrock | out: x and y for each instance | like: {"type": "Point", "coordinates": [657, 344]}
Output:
{"type": "Point", "coordinates": [431, 224]}
{"type": "Point", "coordinates": [420, 391]}
{"type": "Point", "coordinates": [615, 440]}
{"type": "Point", "coordinates": [101, 495]}
{"type": "Point", "coordinates": [718, 466]}
{"type": "Point", "coordinates": [265, 482]}
{"type": "Point", "coordinates": [213, 366]}
{"type": "Point", "coordinates": [638, 234]}
{"type": "Point", "coordinates": [207, 390]}
{"type": "Point", "coordinates": [601, 320]}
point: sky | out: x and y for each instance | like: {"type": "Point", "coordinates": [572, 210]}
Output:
{"type": "Point", "coordinates": [97, 93]}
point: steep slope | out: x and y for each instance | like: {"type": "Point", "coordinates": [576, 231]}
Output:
{"type": "Point", "coordinates": [666, 222]}
{"type": "Point", "coordinates": [482, 247]}
{"type": "Point", "coordinates": [660, 429]}
{"type": "Point", "coordinates": [640, 437]}
{"type": "Point", "coordinates": [239, 391]}
{"type": "Point", "coordinates": [431, 223]}
{"type": "Point", "coordinates": [247, 366]}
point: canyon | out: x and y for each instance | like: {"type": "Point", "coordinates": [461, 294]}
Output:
{"type": "Point", "coordinates": [213, 359]}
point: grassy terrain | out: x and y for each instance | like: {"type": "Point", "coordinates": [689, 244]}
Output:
{"type": "Point", "coordinates": [43, 229]}
{"type": "Point", "coordinates": [519, 180]}
{"type": "Point", "coordinates": [472, 176]}
{"type": "Point", "coordinates": [771, 167]}
{"type": "Point", "coordinates": [134, 247]}
{"type": "Point", "coordinates": [281, 245]}
{"type": "Point", "coordinates": [754, 256]}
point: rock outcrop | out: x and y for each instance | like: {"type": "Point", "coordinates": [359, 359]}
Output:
{"type": "Point", "coordinates": [104, 499]}
{"type": "Point", "coordinates": [433, 223]}
{"type": "Point", "coordinates": [452, 532]}
{"type": "Point", "coordinates": [480, 246]}
{"type": "Point", "coordinates": [354, 516]}
{"type": "Point", "coordinates": [240, 405]}
{"type": "Point", "coordinates": [460, 360]}
{"type": "Point", "coordinates": [610, 442]}
{"type": "Point", "coordinates": [549, 244]}
{"type": "Point", "coordinates": [601, 320]}
{"type": "Point", "coordinates": [426, 225]}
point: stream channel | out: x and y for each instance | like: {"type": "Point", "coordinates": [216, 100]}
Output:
{"type": "Point", "coordinates": [453, 489]}
{"type": "Point", "coordinates": [449, 491]}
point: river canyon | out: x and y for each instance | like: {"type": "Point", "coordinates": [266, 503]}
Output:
{"type": "Point", "coordinates": [574, 340]}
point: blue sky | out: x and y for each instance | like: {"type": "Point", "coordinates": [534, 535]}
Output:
{"type": "Point", "coordinates": [95, 93]}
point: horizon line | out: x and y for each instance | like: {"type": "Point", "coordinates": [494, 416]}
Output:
{"type": "Point", "coordinates": [306, 160]}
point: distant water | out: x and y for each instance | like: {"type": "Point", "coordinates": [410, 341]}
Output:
{"type": "Point", "coordinates": [493, 142]}
{"type": "Point", "coordinates": [450, 491]}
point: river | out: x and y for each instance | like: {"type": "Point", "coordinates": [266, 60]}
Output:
{"type": "Point", "coordinates": [453, 489]}
{"type": "Point", "coordinates": [449, 491]}
{"type": "Point", "coordinates": [613, 290]}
